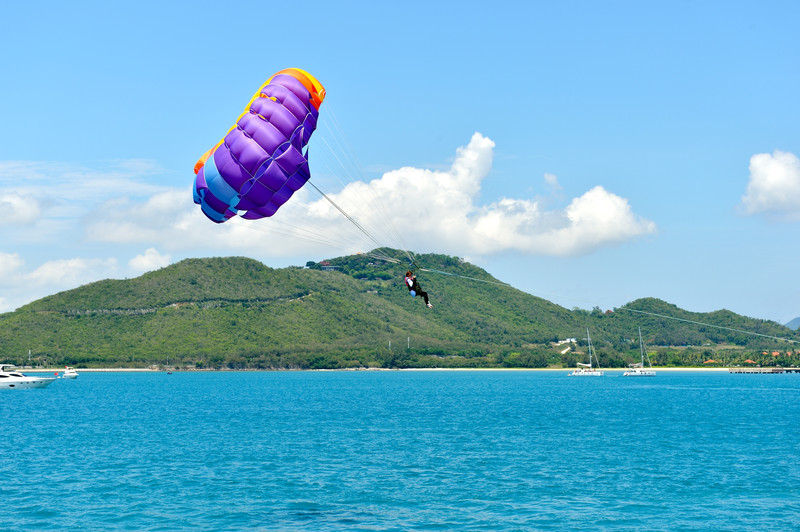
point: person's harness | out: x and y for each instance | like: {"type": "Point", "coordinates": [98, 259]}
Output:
{"type": "Point", "coordinates": [412, 285]}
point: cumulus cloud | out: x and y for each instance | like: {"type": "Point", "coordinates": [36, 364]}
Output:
{"type": "Point", "coordinates": [151, 259]}
{"type": "Point", "coordinates": [774, 185]}
{"type": "Point", "coordinates": [19, 209]}
{"type": "Point", "coordinates": [438, 211]}
{"type": "Point", "coordinates": [596, 219]}
{"type": "Point", "coordinates": [413, 208]}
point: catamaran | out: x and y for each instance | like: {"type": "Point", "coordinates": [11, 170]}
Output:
{"type": "Point", "coordinates": [638, 369]}
{"type": "Point", "coordinates": [586, 370]}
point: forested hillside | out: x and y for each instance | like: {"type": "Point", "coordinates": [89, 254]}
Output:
{"type": "Point", "coordinates": [355, 312]}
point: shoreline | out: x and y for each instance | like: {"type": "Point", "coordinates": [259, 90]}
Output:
{"type": "Point", "coordinates": [176, 370]}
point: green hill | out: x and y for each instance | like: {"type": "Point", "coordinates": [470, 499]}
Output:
{"type": "Point", "coordinates": [347, 312]}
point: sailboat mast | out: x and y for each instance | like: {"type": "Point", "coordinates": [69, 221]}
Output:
{"type": "Point", "coordinates": [641, 346]}
{"type": "Point", "coordinates": [589, 341]}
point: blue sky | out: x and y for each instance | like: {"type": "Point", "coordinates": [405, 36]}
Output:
{"type": "Point", "coordinates": [588, 153]}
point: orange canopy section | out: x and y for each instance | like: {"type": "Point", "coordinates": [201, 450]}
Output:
{"type": "Point", "coordinates": [200, 162]}
{"type": "Point", "coordinates": [710, 361]}
{"type": "Point", "coordinates": [748, 361]}
{"type": "Point", "coordinates": [313, 86]}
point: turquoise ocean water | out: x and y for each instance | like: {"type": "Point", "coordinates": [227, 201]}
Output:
{"type": "Point", "coordinates": [402, 450]}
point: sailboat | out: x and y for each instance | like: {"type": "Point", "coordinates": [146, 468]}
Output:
{"type": "Point", "coordinates": [638, 369]}
{"type": "Point", "coordinates": [586, 370]}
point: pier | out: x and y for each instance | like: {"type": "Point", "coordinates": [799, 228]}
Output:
{"type": "Point", "coordinates": [764, 370]}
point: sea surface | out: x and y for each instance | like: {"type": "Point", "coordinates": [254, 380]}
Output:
{"type": "Point", "coordinates": [402, 450]}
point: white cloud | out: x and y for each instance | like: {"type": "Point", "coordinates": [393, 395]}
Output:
{"type": "Point", "coordinates": [552, 180]}
{"type": "Point", "coordinates": [73, 187]}
{"type": "Point", "coordinates": [596, 219]}
{"type": "Point", "coordinates": [27, 173]}
{"type": "Point", "coordinates": [18, 209]}
{"type": "Point", "coordinates": [774, 186]}
{"type": "Point", "coordinates": [11, 281]}
{"type": "Point", "coordinates": [20, 286]}
{"type": "Point", "coordinates": [437, 211]}
{"type": "Point", "coordinates": [10, 264]}
{"type": "Point", "coordinates": [68, 273]}
{"type": "Point", "coordinates": [151, 259]}
{"type": "Point", "coordinates": [412, 208]}
{"type": "Point", "coordinates": [124, 220]}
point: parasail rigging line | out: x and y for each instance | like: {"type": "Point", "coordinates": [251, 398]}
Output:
{"type": "Point", "coordinates": [349, 164]}
{"type": "Point", "coordinates": [708, 325]}
{"type": "Point", "coordinates": [306, 234]}
{"type": "Point", "coordinates": [675, 318]}
{"type": "Point", "coordinates": [344, 213]}
{"type": "Point", "coordinates": [500, 283]}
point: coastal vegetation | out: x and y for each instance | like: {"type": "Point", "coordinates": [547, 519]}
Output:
{"type": "Point", "coordinates": [355, 312]}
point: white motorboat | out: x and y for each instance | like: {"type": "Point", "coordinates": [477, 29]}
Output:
{"type": "Point", "coordinates": [587, 370]}
{"type": "Point", "coordinates": [69, 373]}
{"type": "Point", "coordinates": [11, 378]}
{"type": "Point", "coordinates": [638, 369]}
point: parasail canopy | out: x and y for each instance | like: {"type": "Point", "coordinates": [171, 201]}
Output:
{"type": "Point", "coordinates": [263, 159]}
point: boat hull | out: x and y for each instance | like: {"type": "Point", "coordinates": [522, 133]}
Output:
{"type": "Point", "coordinates": [639, 374]}
{"type": "Point", "coordinates": [27, 382]}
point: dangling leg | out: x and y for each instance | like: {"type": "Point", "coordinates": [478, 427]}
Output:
{"type": "Point", "coordinates": [425, 297]}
